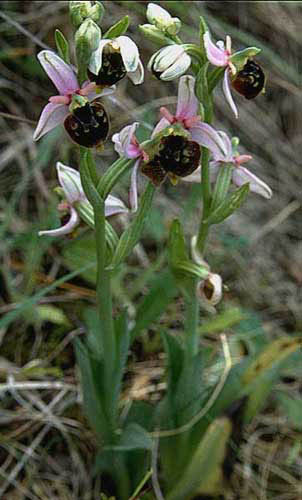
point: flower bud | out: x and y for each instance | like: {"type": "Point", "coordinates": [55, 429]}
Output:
{"type": "Point", "coordinates": [210, 289]}
{"type": "Point", "coordinates": [162, 19]}
{"type": "Point", "coordinates": [87, 39]}
{"type": "Point", "coordinates": [169, 62]}
{"type": "Point", "coordinates": [79, 11]}
{"type": "Point", "coordinates": [154, 34]}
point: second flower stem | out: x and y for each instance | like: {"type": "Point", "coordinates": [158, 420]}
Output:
{"type": "Point", "coordinates": [206, 191]}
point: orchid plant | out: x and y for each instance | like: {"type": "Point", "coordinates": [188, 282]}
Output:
{"type": "Point", "coordinates": [193, 421]}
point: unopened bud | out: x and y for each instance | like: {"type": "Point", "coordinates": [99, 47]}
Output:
{"type": "Point", "coordinates": [154, 34]}
{"type": "Point", "coordinates": [169, 62]}
{"type": "Point", "coordinates": [162, 19]}
{"type": "Point", "coordinates": [87, 39]}
{"type": "Point", "coordinates": [79, 11]}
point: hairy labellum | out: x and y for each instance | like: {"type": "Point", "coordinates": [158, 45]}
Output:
{"type": "Point", "coordinates": [88, 125]}
{"type": "Point", "coordinates": [250, 80]}
{"type": "Point", "coordinates": [177, 155]}
{"type": "Point", "coordinates": [112, 70]}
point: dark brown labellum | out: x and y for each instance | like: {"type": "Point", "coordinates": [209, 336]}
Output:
{"type": "Point", "coordinates": [154, 171]}
{"type": "Point", "coordinates": [112, 70]}
{"type": "Point", "coordinates": [88, 125]}
{"type": "Point", "coordinates": [250, 80]}
{"type": "Point", "coordinates": [177, 155]}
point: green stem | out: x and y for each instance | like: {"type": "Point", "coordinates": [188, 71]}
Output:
{"type": "Point", "coordinates": [191, 324]}
{"type": "Point", "coordinates": [112, 175]}
{"type": "Point", "coordinates": [84, 152]}
{"type": "Point", "coordinates": [206, 191]}
{"type": "Point", "coordinates": [194, 51]}
{"type": "Point", "coordinates": [103, 288]}
{"type": "Point", "coordinates": [215, 77]}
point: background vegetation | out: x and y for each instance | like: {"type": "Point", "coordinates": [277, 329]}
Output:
{"type": "Point", "coordinates": [46, 446]}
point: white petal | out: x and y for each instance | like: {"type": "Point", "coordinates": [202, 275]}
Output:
{"type": "Point", "coordinates": [70, 180]}
{"type": "Point", "coordinates": [208, 137]}
{"type": "Point", "coordinates": [95, 62]}
{"type": "Point", "coordinates": [129, 53]}
{"type": "Point", "coordinates": [163, 123]}
{"type": "Point", "coordinates": [216, 55]}
{"type": "Point", "coordinates": [51, 116]}
{"type": "Point", "coordinates": [227, 93]}
{"type": "Point", "coordinates": [187, 103]}
{"type": "Point", "coordinates": [60, 73]}
{"type": "Point", "coordinates": [114, 205]}
{"type": "Point", "coordinates": [133, 188]}
{"type": "Point", "coordinates": [155, 13]}
{"type": "Point", "coordinates": [165, 57]}
{"type": "Point", "coordinates": [67, 228]}
{"type": "Point", "coordinates": [177, 69]}
{"type": "Point", "coordinates": [241, 175]}
{"type": "Point", "coordinates": [122, 141]}
{"type": "Point", "coordinates": [227, 145]}
{"type": "Point", "coordinates": [137, 76]}
{"type": "Point", "coordinates": [101, 93]}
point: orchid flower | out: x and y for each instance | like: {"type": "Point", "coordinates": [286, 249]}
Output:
{"type": "Point", "coordinates": [220, 55]}
{"type": "Point", "coordinates": [169, 62]}
{"type": "Point", "coordinates": [75, 198]}
{"type": "Point", "coordinates": [221, 147]}
{"type": "Point", "coordinates": [186, 113]}
{"type": "Point", "coordinates": [65, 80]}
{"type": "Point", "coordinates": [113, 59]}
{"type": "Point", "coordinates": [173, 144]}
{"type": "Point", "coordinates": [209, 289]}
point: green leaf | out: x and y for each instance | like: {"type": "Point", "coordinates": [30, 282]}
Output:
{"type": "Point", "coordinates": [184, 269]}
{"type": "Point", "coordinates": [47, 312]}
{"type": "Point", "coordinates": [203, 474]}
{"type": "Point", "coordinates": [155, 302]}
{"type": "Point", "coordinates": [221, 186]}
{"type": "Point", "coordinates": [222, 321]}
{"type": "Point", "coordinates": [122, 336]}
{"type": "Point", "coordinates": [292, 407]}
{"type": "Point", "coordinates": [80, 251]}
{"type": "Point", "coordinates": [258, 397]}
{"type": "Point", "coordinates": [132, 234]}
{"type": "Point", "coordinates": [203, 94]}
{"type": "Point", "coordinates": [270, 357]}
{"type": "Point", "coordinates": [87, 180]}
{"type": "Point", "coordinates": [134, 437]}
{"type": "Point", "coordinates": [62, 46]}
{"type": "Point", "coordinates": [118, 28]}
{"type": "Point", "coordinates": [190, 392]}
{"type": "Point", "coordinates": [175, 357]}
{"type": "Point", "coordinates": [228, 207]}
{"type": "Point", "coordinates": [93, 406]}
{"type": "Point", "coordinates": [113, 175]}
{"type": "Point", "coordinates": [177, 245]}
